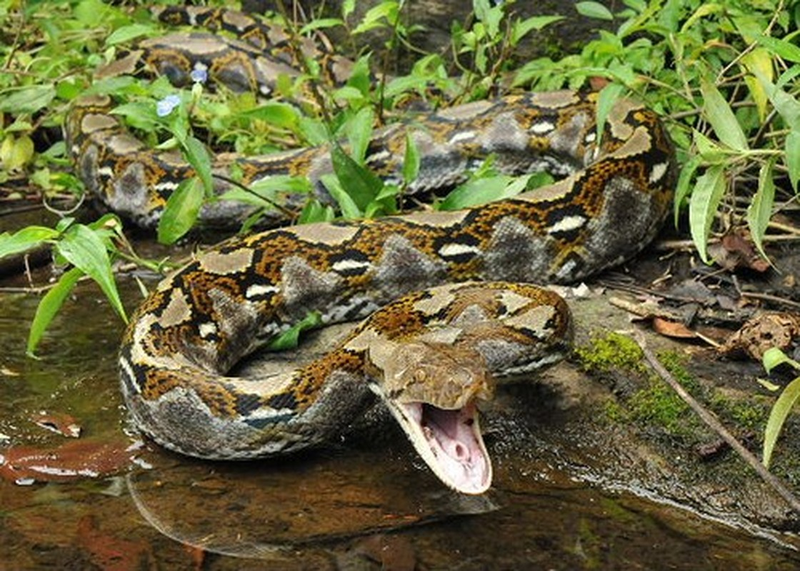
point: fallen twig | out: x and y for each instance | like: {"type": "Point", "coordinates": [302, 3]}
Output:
{"type": "Point", "coordinates": [771, 298]}
{"type": "Point", "coordinates": [713, 423]}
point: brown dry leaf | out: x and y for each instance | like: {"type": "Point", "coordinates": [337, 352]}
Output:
{"type": "Point", "coordinates": [762, 332]}
{"type": "Point", "coordinates": [674, 329]}
{"type": "Point", "coordinates": [58, 422]}
{"type": "Point", "coordinates": [74, 460]}
{"type": "Point", "coordinates": [737, 251]}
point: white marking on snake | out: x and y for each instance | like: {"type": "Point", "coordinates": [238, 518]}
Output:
{"type": "Point", "coordinates": [455, 249]}
{"type": "Point", "coordinates": [257, 290]}
{"type": "Point", "coordinates": [347, 265]}
{"type": "Point", "coordinates": [565, 270]}
{"type": "Point", "coordinates": [206, 329]}
{"type": "Point", "coordinates": [125, 365]}
{"type": "Point", "coordinates": [462, 136]}
{"type": "Point", "coordinates": [165, 185]}
{"type": "Point", "coordinates": [379, 156]}
{"type": "Point", "coordinates": [657, 172]}
{"type": "Point", "coordinates": [542, 127]}
{"type": "Point", "coordinates": [567, 224]}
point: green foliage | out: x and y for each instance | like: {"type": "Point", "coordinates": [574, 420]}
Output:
{"type": "Point", "coordinates": [84, 247]}
{"type": "Point", "coordinates": [726, 74]}
{"type": "Point", "coordinates": [783, 406]}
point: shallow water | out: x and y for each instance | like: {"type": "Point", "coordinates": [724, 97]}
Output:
{"type": "Point", "coordinates": [362, 503]}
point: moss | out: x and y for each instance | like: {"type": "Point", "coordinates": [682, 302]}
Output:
{"type": "Point", "coordinates": [655, 403]}
{"type": "Point", "coordinates": [658, 404]}
{"type": "Point", "coordinates": [675, 362]}
{"type": "Point", "coordinates": [611, 351]}
{"type": "Point", "coordinates": [745, 414]}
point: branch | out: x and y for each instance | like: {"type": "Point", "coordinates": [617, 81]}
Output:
{"type": "Point", "coordinates": [713, 423]}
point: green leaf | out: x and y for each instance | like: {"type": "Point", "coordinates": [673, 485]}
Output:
{"type": "Point", "coordinates": [792, 156]}
{"type": "Point", "coordinates": [609, 95]}
{"type": "Point", "coordinates": [84, 249]}
{"type": "Point", "coordinates": [49, 306]}
{"type": "Point", "coordinates": [128, 33]}
{"type": "Point", "coordinates": [594, 10]}
{"type": "Point", "coordinates": [785, 104]}
{"type": "Point", "coordinates": [783, 48]}
{"type": "Point", "coordinates": [523, 27]}
{"type": "Point", "coordinates": [290, 338]}
{"type": "Point", "coordinates": [709, 150]}
{"type": "Point", "coordinates": [24, 239]}
{"type": "Point", "coordinates": [721, 117]}
{"type": "Point", "coordinates": [181, 211]}
{"type": "Point", "coordinates": [275, 113]}
{"type": "Point", "coordinates": [360, 183]}
{"type": "Point", "coordinates": [16, 151]}
{"type": "Point", "coordinates": [347, 7]}
{"type": "Point", "coordinates": [760, 209]}
{"type": "Point", "coordinates": [777, 417]}
{"type": "Point", "coordinates": [350, 210]}
{"type": "Point", "coordinates": [321, 24]}
{"type": "Point", "coordinates": [267, 189]}
{"type": "Point", "coordinates": [411, 160]}
{"type": "Point", "coordinates": [315, 211]}
{"type": "Point", "coordinates": [489, 15]}
{"type": "Point", "coordinates": [197, 156]}
{"type": "Point", "coordinates": [483, 190]}
{"type": "Point", "coordinates": [703, 205]}
{"type": "Point", "coordinates": [28, 100]}
{"type": "Point", "coordinates": [378, 16]}
{"type": "Point", "coordinates": [683, 187]}
{"type": "Point", "coordinates": [359, 133]}
{"type": "Point", "coordinates": [773, 357]}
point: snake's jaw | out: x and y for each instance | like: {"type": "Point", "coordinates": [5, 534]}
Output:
{"type": "Point", "coordinates": [448, 440]}
{"type": "Point", "coordinates": [432, 390]}
{"type": "Point", "coordinates": [451, 444]}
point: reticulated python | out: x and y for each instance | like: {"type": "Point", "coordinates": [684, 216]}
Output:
{"type": "Point", "coordinates": [460, 312]}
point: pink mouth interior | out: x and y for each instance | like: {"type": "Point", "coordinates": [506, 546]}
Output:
{"type": "Point", "coordinates": [454, 440]}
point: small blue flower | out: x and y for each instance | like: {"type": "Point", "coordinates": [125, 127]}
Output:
{"type": "Point", "coordinates": [199, 75]}
{"type": "Point", "coordinates": [166, 105]}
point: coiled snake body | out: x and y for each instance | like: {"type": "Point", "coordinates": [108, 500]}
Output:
{"type": "Point", "coordinates": [458, 310]}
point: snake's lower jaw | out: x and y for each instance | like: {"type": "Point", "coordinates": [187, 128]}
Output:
{"type": "Point", "coordinates": [450, 442]}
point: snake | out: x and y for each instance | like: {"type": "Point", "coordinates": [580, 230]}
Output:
{"type": "Point", "coordinates": [450, 303]}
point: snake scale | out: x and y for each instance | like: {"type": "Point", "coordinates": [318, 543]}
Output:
{"type": "Point", "coordinates": [449, 297]}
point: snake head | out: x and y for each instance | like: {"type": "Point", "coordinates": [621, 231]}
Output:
{"type": "Point", "coordinates": [432, 390]}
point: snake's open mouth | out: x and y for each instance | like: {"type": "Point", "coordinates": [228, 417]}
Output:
{"type": "Point", "coordinates": [450, 442]}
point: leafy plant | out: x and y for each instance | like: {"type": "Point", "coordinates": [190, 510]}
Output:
{"type": "Point", "coordinates": [772, 358]}
{"type": "Point", "coordinates": [725, 74]}
{"type": "Point", "coordinates": [85, 247]}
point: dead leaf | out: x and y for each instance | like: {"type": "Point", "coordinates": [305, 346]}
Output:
{"type": "Point", "coordinates": [762, 332]}
{"type": "Point", "coordinates": [672, 329]}
{"type": "Point", "coordinates": [735, 250]}
{"type": "Point", "coordinates": [58, 422]}
{"type": "Point", "coordinates": [75, 460]}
